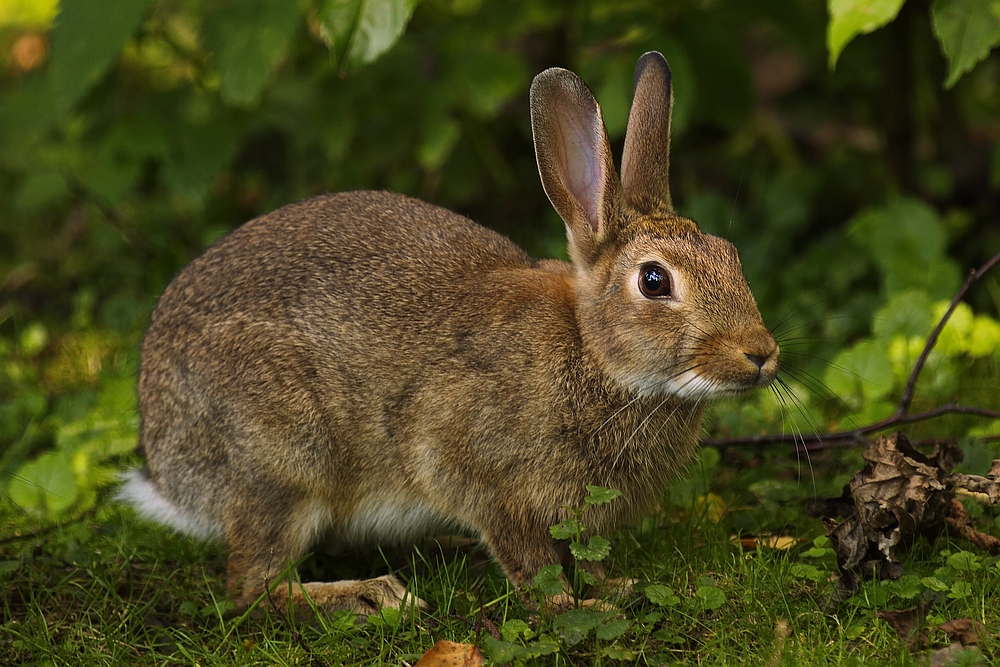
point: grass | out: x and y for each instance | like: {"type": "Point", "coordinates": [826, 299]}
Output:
{"type": "Point", "coordinates": [108, 590]}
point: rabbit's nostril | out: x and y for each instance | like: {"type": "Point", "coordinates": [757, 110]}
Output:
{"type": "Point", "coordinates": [757, 359]}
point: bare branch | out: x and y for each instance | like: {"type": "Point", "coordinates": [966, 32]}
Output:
{"type": "Point", "coordinates": [899, 418]}
{"type": "Point", "coordinates": [911, 383]}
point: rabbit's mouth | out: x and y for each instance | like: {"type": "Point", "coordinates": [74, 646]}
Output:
{"type": "Point", "coordinates": [718, 376]}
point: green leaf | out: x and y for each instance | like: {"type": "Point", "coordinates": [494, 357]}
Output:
{"type": "Point", "coordinates": [597, 549]}
{"type": "Point", "coordinates": [964, 561]}
{"type": "Point", "coordinates": [907, 314]}
{"type": "Point", "coordinates": [567, 529]}
{"type": "Point", "coordinates": [861, 373]}
{"type": "Point", "coordinates": [599, 495]}
{"type": "Point", "coordinates": [548, 580]}
{"type": "Point", "coordinates": [515, 628]}
{"type": "Point", "coordinates": [618, 653]}
{"type": "Point", "coordinates": [576, 624]}
{"type": "Point", "coordinates": [46, 485]}
{"type": "Point", "coordinates": [710, 597]}
{"type": "Point", "coordinates": [984, 339]}
{"type": "Point", "coordinates": [968, 30]}
{"type": "Point", "coordinates": [87, 37]}
{"type": "Point", "coordinates": [359, 31]}
{"type": "Point", "coordinates": [661, 595]}
{"type": "Point", "coordinates": [960, 590]}
{"type": "Point", "coordinates": [934, 584]}
{"type": "Point", "coordinates": [908, 586]}
{"type": "Point", "coordinates": [849, 18]}
{"type": "Point", "coordinates": [810, 572]}
{"type": "Point", "coordinates": [249, 38]}
{"type": "Point", "coordinates": [907, 239]}
{"type": "Point", "coordinates": [614, 629]}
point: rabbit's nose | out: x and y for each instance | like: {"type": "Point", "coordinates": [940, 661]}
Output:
{"type": "Point", "coordinates": [757, 359]}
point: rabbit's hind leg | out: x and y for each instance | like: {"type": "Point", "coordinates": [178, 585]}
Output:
{"type": "Point", "coordinates": [268, 532]}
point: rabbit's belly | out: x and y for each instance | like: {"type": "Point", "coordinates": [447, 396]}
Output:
{"type": "Point", "coordinates": [392, 520]}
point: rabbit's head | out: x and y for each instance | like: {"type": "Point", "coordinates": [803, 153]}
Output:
{"type": "Point", "coordinates": [663, 308]}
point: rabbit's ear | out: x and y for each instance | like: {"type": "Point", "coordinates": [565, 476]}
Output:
{"type": "Point", "coordinates": [574, 158]}
{"type": "Point", "coordinates": [646, 159]}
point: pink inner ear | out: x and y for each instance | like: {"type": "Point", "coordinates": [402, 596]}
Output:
{"type": "Point", "coordinates": [581, 169]}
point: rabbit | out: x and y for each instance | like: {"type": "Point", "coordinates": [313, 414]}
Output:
{"type": "Point", "coordinates": [365, 368]}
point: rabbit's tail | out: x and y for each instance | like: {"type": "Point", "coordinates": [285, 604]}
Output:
{"type": "Point", "coordinates": [139, 491]}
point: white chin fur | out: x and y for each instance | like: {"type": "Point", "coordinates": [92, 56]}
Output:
{"type": "Point", "coordinates": [139, 492]}
{"type": "Point", "coordinates": [687, 385]}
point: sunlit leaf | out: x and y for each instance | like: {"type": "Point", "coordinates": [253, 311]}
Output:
{"type": "Point", "coordinates": [87, 37]}
{"type": "Point", "coordinates": [968, 30]}
{"type": "Point", "coordinates": [359, 31]}
{"type": "Point", "coordinates": [27, 12]}
{"type": "Point", "coordinates": [45, 485]}
{"type": "Point", "coordinates": [849, 18]}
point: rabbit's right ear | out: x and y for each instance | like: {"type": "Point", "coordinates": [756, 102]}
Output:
{"type": "Point", "coordinates": [574, 159]}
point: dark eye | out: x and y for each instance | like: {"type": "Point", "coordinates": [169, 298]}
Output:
{"type": "Point", "coordinates": [654, 281]}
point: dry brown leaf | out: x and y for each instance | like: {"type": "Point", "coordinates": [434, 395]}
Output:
{"type": "Point", "coordinates": [451, 654]}
{"type": "Point", "coordinates": [780, 542]}
{"type": "Point", "coordinates": [965, 631]}
{"type": "Point", "coordinates": [900, 492]}
{"type": "Point", "coordinates": [908, 623]}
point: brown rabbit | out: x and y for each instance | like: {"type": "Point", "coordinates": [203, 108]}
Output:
{"type": "Point", "coordinates": [365, 368]}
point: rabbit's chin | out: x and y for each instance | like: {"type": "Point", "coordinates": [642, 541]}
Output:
{"type": "Point", "coordinates": [688, 386]}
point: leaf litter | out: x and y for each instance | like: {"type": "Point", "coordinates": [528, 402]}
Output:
{"type": "Point", "coordinates": [900, 493]}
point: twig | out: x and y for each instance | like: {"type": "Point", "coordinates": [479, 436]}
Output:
{"type": "Point", "coordinates": [854, 435]}
{"type": "Point", "coordinates": [911, 383]}
{"type": "Point", "coordinates": [900, 417]}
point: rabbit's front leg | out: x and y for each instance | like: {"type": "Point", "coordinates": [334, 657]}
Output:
{"type": "Point", "coordinates": [521, 548]}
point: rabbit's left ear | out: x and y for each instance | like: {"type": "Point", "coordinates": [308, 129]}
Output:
{"type": "Point", "coordinates": [646, 159]}
{"type": "Point", "coordinates": [574, 159]}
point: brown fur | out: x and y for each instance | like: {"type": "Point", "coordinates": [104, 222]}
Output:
{"type": "Point", "coordinates": [363, 366]}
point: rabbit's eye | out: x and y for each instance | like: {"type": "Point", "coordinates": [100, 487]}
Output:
{"type": "Point", "coordinates": [654, 281]}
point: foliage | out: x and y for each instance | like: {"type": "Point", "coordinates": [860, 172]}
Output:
{"type": "Point", "coordinates": [966, 29]}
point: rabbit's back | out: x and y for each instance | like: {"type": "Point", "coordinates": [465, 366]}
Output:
{"type": "Point", "coordinates": [307, 347]}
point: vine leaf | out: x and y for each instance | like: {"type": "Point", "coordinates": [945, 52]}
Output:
{"type": "Point", "coordinates": [86, 39]}
{"type": "Point", "coordinates": [849, 18]}
{"type": "Point", "coordinates": [967, 30]}
{"type": "Point", "coordinates": [359, 31]}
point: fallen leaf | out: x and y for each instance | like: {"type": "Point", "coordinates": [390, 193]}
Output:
{"type": "Point", "coordinates": [900, 491]}
{"type": "Point", "coordinates": [780, 542]}
{"type": "Point", "coordinates": [965, 631]}
{"type": "Point", "coordinates": [908, 623]}
{"type": "Point", "coordinates": [451, 654]}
